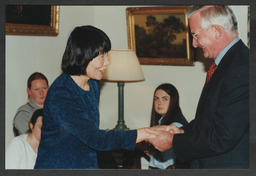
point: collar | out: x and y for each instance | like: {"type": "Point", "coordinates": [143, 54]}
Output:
{"type": "Point", "coordinates": [225, 50]}
{"type": "Point", "coordinates": [160, 120]}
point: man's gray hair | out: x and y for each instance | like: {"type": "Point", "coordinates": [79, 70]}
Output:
{"type": "Point", "coordinates": [216, 15]}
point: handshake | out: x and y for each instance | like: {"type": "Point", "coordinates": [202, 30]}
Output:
{"type": "Point", "coordinates": [161, 136]}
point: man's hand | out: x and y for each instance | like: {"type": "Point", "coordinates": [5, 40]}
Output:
{"type": "Point", "coordinates": [162, 140]}
{"type": "Point", "coordinates": [170, 128]}
{"type": "Point", "coordinates": [174, 129]}
{"type": "Point", "coordinates": [160, 127]}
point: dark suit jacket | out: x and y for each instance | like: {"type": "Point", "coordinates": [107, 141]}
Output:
{"type": "Point", "coordinates": [218, 137]}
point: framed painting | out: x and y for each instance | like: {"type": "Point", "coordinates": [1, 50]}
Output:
{"type": "Point", "coordinates": [160, 35]}
{"type": "Point", "coordinates": [33, 20]}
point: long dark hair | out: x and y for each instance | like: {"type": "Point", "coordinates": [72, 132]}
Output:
{"type": "Point", "coordinates": [173, 109]}
{"type": "Point", "coordinates": [84, 44]}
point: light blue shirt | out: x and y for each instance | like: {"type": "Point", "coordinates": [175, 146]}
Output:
{"type": "Point", "coordinates": [164, 159]}
{"type": "Point", "coordinates": [225, 50]}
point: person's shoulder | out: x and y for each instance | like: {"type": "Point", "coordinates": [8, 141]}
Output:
{"type": "Point", "coordinates": [62, 82]}
{"type": "Point", "coordinates": [17, 145]}
{"type": "Point", "coordinates": [240, 44]}
{"type": "Point", "coordinates": [241, 51]}
{"type": "Point", "coordinates": [19, 140]}
{"type": "Point", "coordinates": [21, 137]}
{"type": "Point", "coordinates": [29, 107]}
{"type": "Point", "coordinates": [62, 87]}
{"type": "Point", "coordinates": [238, 58]}
{"type": "Point", "coordinates": [24, 107]}
{"type": "Point", "coordinates": [58, 81]}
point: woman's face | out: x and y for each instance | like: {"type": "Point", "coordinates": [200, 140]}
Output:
{"type": "Point", "coordinates": [161, 102]}
{"type": "Point", "coordinates": [38, 91]}
{"type": "Point", "coordinates": [36, 129]}
{"type": "Point", "coordinates": [97, 66]}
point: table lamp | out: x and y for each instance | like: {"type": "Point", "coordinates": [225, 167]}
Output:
{"type": "Point", "coordinates": [123, 67]}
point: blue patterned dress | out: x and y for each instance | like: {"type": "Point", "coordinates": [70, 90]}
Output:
{"type": "Point", "coordinates": [70, 134]}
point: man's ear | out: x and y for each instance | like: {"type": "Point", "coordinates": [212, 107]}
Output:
{"type": "Point", "coordinates": [218, 31]}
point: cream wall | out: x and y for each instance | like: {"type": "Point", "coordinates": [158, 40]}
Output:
{"type": "Point", "coordinates": [27, 54]}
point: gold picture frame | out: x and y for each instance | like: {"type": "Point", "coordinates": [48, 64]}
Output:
{"type": "Point", "coordinates": [160, 35]}
{"type": "Point", "coordinates": [17, 27]}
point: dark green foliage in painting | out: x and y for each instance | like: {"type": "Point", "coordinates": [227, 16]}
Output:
{"type": "Point", "coordinates": [157, 41]}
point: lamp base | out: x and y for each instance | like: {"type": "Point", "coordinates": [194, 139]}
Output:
{"type": "Point", "coordinates": [120, 123]}
{"type": "Point", "coordinates": [121, 127]}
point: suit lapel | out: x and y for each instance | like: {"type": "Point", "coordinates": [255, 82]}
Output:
{"type": "Point", "coordinates": [218, 74]}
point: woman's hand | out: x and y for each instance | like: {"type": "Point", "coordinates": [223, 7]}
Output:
{"type": "Point", "coordinates": [142, 135]}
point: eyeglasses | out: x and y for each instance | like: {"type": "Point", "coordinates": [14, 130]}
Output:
{"type": "Point", "coordinates": [196, 34]}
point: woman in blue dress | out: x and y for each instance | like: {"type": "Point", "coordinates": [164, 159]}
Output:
{"type": "Point", "coordinates": [70, 134]}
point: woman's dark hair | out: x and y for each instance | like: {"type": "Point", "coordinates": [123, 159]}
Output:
{"type": "Point", "coordinates": [35, 115]}
{"type": "Point", "coordinates": [84, 44]}
{"type": "Point", "coordinates": [35, 76]}
{"type": "Point", "coordinates": [173, 109]}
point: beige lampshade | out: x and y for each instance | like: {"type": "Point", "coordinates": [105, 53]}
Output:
{"type": "Point", "coordinates": [123, 66]}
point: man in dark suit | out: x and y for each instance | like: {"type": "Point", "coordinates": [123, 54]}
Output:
{"type": "Point", "coordinates": [218, 137]}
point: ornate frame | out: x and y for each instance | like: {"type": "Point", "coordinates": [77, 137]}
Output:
{"type": "Point", "coordinates": [133, 13]}
{"type": "Point", "coordinates": [36, 30]}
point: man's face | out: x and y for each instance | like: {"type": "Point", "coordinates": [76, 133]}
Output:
{"type": "Point", "coordinates": [203, 38]}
